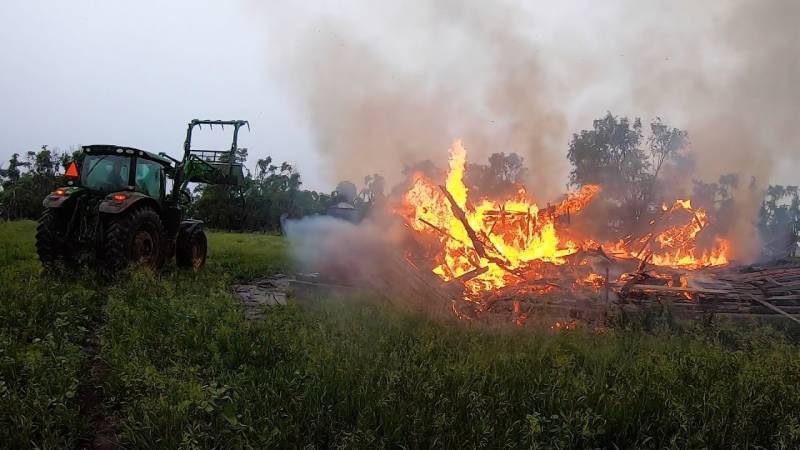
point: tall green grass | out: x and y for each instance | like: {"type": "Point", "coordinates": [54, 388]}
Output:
{"type": "Point", "coordinates": [43, 324]}
{"type": "Point", "coordinates": [186, 370]}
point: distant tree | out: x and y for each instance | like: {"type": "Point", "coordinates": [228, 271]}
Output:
{"type": "Point", "coordinates": [23, 191]}
{"type": "Point", "coordinates": [371, 195]}
{"type": "Point", "coordinates": [345, 191]}
{"type": "Point", "coordinates": [218, 206]}
{"type": "Point", "coordinates": [425, 167]}
{"type": "Point", "coordinates": [270, 193]}
{"type": "Point", "coordinates": [612, 155]}
{"type": "Point", "coordinates": [500, 178]}
{"type": "Point", "coordinates": [779, 220]}
{"type": "Point", "coordinates": [716, 196]}
{"type": "Point", "coordinates": [13, 172]}
{"type": "Point", "coordinates": [664, 144]}
{"type": "Point", "coordinates": [373, 191]}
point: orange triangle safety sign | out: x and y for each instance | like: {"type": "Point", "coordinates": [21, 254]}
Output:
{"type": "Point", "coordinates": [72, 170]}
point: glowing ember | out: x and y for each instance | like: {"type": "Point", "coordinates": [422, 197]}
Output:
{"type": "Point", "coordinates": [559, 325]}
{"type": "Point", "coordinates": [593, 280]}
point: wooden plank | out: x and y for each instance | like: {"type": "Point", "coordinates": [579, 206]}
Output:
{"type": "Point", "coordinates": [794, 286]}
{"type": "Point", "coordinates": [774, 308]}
{"type": "Point", "coordinates": [441, 231]}
{"type": "Point", "coordinates": [653, 287]}
{"type": "Point", "coordinates": [775, 273]}
{"type": "Point", "coordinates": [466, 276]}
{"type": "Point", "coordinates": [784, 297]}
{"type": "Point", "coordinates": [783, 279]}
{"type": "Point", "coordinates": [746, 316]}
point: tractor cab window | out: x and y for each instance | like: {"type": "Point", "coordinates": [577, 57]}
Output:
{"type": "Point", "coordinates": [149, 177]}
{"type": "Point", "coordinates": [106, 173]}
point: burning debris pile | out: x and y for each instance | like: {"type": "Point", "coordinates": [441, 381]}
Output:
{"type": "Point", "coordinates": [511, 255]}
{"type": "Point", "coordinates": [491, 244]}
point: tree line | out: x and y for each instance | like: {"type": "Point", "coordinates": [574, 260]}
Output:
{"type": "Point", "coordinates": [639, 167]}
{"type": "Point", "coordinates": [269, 193]}
{"type": "Point", "coordinates": [642, 167]}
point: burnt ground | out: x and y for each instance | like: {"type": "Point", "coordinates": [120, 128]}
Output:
{"type": "Point", "coordinates": [262, 292]}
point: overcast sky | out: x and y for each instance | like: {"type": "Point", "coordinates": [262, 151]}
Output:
{"type": "Point", "coordinates": [134, 72]}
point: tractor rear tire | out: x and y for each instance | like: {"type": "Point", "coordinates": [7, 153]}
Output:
{"type": "Point", "coordinates": [50, 245]}
{"type": "Point", "coordinates": [134, 237]}
{"type": "Point", "coordinates": [191, 249]}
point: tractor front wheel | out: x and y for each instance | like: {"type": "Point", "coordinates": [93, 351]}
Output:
{"type": "Point", "coordinates": [191, 249]}
{"type": "Point", "coordinates": [133, 238]}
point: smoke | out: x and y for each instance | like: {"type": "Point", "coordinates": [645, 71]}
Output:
{"type": "Point", "coordinates": [362, 255]}
{"type": "Point", "coordinates": [384, 85]}
{"type": "Point", "coordinates": [731, 83]}
{"type": "Point", "coordinates": [346, 251]}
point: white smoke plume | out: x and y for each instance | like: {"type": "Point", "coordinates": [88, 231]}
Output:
{"type": "Point", "coordinates": [383, 85]}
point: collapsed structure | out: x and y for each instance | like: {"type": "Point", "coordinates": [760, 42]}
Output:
{"type": "Point", "coordinates": [513, 257]}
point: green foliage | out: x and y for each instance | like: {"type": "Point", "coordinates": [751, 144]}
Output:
{"type": "Point", "coordinates": [43, 324]}
{"type": "Point", "coordinates": [361, 375]}
{"type": "Point", "coordinates": [23, 191]}
{"type": "Point", "coordinates": [246, 256]}
{"type": "Point", "coordinates": [500, 178]}
{"type": "Point", "coordinates": [613, 155]}
{"type": "Point", "coordinates": [610, 155]}
{"type": "Point", "coordinates": [273, 192]}
{"type": "Point", "coordinates": [779, 219]}
{"type": "Point", "coordinates": [187, 371]}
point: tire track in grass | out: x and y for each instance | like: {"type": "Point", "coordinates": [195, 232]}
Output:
{"type": "Point", "coordinates": [103, 427]}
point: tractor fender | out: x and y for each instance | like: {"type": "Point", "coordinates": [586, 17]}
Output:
{"type": "Point", "coordinates": [189, 225]}
{"type": "Point", "coordinates": [60, 197]}
{"type": "Point", "coordinates": [54, 201]}
{"type": "Point", "coordinates": [119, 202]}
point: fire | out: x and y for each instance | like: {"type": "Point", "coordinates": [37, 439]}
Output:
{"type": "Point", "coordinates": [497, 238]}
{"type": "Point", "coordinates": [487, 244]}
{"type": "Point", "coordinates": [455, 176]}
{"type": "Point", "coordinates": [593, 280]}
{"type": "Point", "coordinates": [677, 244]}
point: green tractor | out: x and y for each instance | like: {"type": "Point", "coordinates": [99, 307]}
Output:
{"type": "Point", "coordinates": [125, 206]}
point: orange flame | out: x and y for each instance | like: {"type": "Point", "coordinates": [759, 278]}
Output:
{"type": "Point", "coordinates": [508, 233]}
{"type": "Point", "coordinates": [493, 242]}
{"type": "Point", "coordinates": [678, 243]}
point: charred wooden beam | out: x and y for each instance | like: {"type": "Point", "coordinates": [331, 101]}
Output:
{"type": "Point", "coordinates": [439, 229]}
{"type": "Point", "coordinates": [654, 287]}
{"type": "Point", "coordinates": [643, 263]}
{"type": "Point", "coordinates": [501, 218]}
{"type": "Point", "coordinates": [697, 219]}
{"type": "Point", "coordinates": [466, 276]}
{"type": "Point", "coordinates": [462, 217]}
{"type": "Point", "coordinates": [646, 244]}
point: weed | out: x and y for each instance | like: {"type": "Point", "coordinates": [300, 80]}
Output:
{"type": "Point", "coordinates": [187, 371]}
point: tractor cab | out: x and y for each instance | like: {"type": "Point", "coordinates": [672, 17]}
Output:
{"type": "Point", "coordinates": [107, 169]}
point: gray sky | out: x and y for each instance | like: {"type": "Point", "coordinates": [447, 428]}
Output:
{"type": "Point", "coordinates": [134, 73]}
{"type": "Point", "coordinates": [379, 84]}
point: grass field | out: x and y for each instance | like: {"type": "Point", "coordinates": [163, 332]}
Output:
{"type": "Point", "coordinates": [183, 369]}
